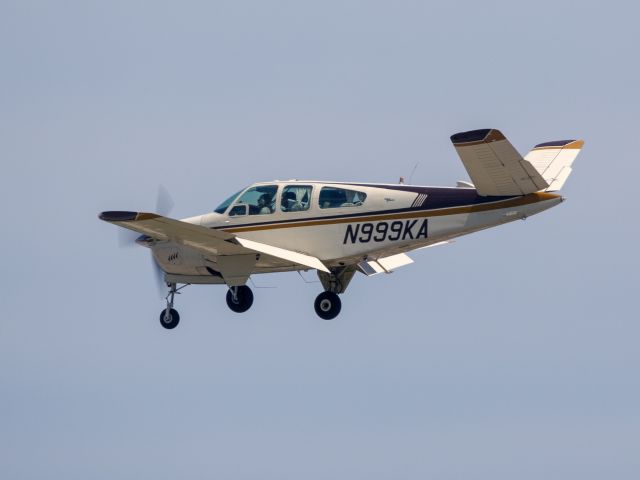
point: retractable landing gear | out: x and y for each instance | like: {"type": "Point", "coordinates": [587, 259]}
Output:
{"type": "Point", "coordinates": [327, 305]}
{"type": "Point", "coordinates": [240, 298]}
{"type": "Point", "coordinates": [169, 317]}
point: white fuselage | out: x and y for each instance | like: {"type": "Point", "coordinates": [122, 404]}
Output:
{"type": "Point", "coordinates": [392, 219]}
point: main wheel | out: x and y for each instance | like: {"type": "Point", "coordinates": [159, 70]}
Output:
{"type": "Point", "coordinates": [169, 319]}
{"type": "Point", "coordinates": [242, 301]}
{"type": "Point", "coordinates": [327, 305]}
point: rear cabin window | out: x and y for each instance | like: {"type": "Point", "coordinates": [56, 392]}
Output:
{"type": "Point", "coordinates": [331, 197]}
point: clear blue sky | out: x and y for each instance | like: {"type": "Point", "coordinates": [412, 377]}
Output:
{"type": "Point", "coordinates": [511, 354]}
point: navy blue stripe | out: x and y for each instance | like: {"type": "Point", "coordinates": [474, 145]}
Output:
{"type": "Point", "coordinates": [437, 198]}
{"type": "Point", "coordinates": [470, 136]}
{"type": "Point", "coordinates": [117, 216]}
{"type": "Point", "coordinates": [555, 143]}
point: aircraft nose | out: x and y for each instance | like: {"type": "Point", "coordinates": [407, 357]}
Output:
{"type": "Point", "coordinates": [144, 240]}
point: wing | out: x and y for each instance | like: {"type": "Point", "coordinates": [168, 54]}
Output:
{"type": "Point", "coordinates": [495, 167]}
{"type": "Point", "coordinates": [203, 239]}
{"type": "Point", "coordinates": [161, 228]}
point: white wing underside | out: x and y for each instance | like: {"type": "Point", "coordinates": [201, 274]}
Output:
{"type": "Point", "coordinates": [235, 255]}
{"type": "Point", "coordinates": [231, 251]}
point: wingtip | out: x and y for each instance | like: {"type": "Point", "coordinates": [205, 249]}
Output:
{"type": "Point", "coordinates": [117, 216]}
{"type": "Point", "coordinates": [121, 216]}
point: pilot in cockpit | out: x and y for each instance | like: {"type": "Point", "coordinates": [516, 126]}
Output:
{"type": "Point", "coordinates": [264, 204]}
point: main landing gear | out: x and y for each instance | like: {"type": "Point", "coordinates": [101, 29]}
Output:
{"type": "Point", "coordinates": [240, 298]}
{"type": "Point", "coordinates": [327, 305]}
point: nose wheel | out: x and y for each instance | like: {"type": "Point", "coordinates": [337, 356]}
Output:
{"type": "Point", "coordinates": [169, 317]}
{"type": "Point", "coordinates": [327, 305]}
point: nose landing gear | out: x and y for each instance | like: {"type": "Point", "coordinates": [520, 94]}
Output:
{"type": "Point", "coordinates": [169, 317]}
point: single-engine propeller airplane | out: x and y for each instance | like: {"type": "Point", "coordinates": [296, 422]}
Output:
{"type": "Point", "coordinates": [340, 228]}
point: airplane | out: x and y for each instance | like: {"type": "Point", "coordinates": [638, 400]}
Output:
{"type": "Point", "coordinates": [341, 228]}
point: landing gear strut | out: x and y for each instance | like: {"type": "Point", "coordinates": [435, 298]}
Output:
{"type": "Point", "coordinates": [240, 298]}
{"type": "Point", "coordinates": [169, 317]}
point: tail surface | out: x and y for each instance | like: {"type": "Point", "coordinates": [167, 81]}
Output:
{"type": "Point", "coordinates": [495, 167]}
{"type": "Point", "coordinates": [553, 161]}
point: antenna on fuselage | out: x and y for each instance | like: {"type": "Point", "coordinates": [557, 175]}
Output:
{"type": "Point", "coordinates": [415, 167]}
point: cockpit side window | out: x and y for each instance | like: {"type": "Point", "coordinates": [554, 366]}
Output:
{"type": "Point", "coordinates": [260, 200]}
{"type": "Point", "coordinates": [224, 205]}
{"type": "Point", "coordinates": [331, 197]}
{"type": "Point", "coordinates": [295, 198]}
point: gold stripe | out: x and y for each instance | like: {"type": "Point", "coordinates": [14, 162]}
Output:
{"type": "Point", "coordinates": [494, 136]}
{"type": "Point", "coordinates": [514, 202]}
{"type": "Point", "coordinates": [145, 216]}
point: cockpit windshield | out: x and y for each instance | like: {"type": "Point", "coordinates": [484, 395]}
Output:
{"type": "Point", "coordinates": [224, 205]}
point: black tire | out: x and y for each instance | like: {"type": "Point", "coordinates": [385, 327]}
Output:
{"type": "Point", "coordinates": [171, 321]}
{"type": "Point", "coordinates": [327, 305]}
{"type": "Point", "coordinates": [243, 301]}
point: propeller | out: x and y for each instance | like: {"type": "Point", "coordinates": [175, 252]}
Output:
{"type": "Point", "coordinates": [127, 238]}
{"type": "Point", "coordinates": [158, 275]}
{"type": "Point", "coordinates": [164, 205]}
{"type": "Point", "coordinates": [164, 202]}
